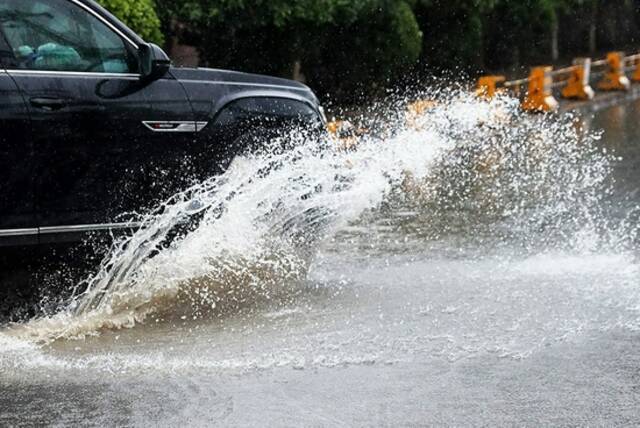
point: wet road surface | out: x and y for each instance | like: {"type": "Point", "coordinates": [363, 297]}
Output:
{"type": "Point", "coordinates": [402, 316]}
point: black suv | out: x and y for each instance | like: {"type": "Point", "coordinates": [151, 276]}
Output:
{"type": "Point", "coordinates": [94, 122]}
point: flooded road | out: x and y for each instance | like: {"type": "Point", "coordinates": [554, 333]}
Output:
{"type": "Point", "coordinates": [479, 267]}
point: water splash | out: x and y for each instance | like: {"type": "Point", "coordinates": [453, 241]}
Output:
{"type": "Point", "coordinates": [479, 172]}
{"type": "Point", "coordinates": [533, 182]}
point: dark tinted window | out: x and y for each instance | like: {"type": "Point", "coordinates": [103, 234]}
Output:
{"type": "Point", "coordinates": [62, 36]}
{"type": "Point", "coordinates": [7, 59]}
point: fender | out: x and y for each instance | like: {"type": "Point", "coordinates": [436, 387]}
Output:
{"type": "Point", "coordinates": [225, 102]}
{"type": "Point", "coordinates": [211, 90]}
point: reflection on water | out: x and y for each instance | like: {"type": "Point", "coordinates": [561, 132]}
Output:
{"type": "Point", "coordinates": [622, 137]}
{"type": "Point", "coordinates": [481, 269]}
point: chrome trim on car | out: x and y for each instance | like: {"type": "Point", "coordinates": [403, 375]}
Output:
{"type": "Point", "coordinates": [78, 228]}
{"type": "Point", "coordinates": [88, 228]}
{"type": "Point", "coordinates": [10, 233]}
{"type": "Point", "coordinates": [73, 73]}
{"type": "Point", "coordinates": [258, 85]}
{"type": "Point", "coordinates": [174, 125]}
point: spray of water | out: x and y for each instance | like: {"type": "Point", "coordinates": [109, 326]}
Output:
{"type": "Point", "coordinates": [531, 183]}
{"type": "Point", "coordinates": [480, 172]}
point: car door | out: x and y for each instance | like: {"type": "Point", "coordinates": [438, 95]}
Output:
{"type": "Point", "coordinates": [17, 219]}
{"type": "Point", "coordinates": [79, 77]}
{"type": "Point", "coordinates": [176, 155]}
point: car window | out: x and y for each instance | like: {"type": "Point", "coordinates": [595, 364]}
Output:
{"type": "Point", "coordinates": [7, 57]}
{"type": "Point", "coordinates": [58, 35]}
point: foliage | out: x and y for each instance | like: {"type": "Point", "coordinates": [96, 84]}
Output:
{"type": "Point", "coordinates": [521, 31]}
{"type": "Point", "coordinates": [454, 31]}
{"type": "Point", "coordinates": [346, 47]}
{"type": "Point", "coordinates": [384, 42]}
{"type": "Point", "coordinates": [337, 44]}
{"type": "Point", "coordinates": [140, 15]}
{"type": "Point", "coordinates": [264, 13]}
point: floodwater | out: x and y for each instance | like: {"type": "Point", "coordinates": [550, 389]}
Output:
{"type": "Point", "coordinates": [478, 267]}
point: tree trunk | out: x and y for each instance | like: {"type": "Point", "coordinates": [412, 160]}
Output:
{"type": "Point", "coordinates": [297, 72]}
{"type": "Point", "coordinates": [593, 28]}
{"type": "Point", "coordinates": [555, 51]}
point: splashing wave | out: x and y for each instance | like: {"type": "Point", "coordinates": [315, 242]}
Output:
{"type": "Point", "coordinates": [480, 173]}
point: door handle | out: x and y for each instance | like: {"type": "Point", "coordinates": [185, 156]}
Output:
{"type": "Point", "coordinates": [49, 104]}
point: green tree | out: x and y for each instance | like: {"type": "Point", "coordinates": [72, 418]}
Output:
{"type": "Point", "coordinates": [261, 35]}
{"type": "Point", "coordinates": [380, 45]}
{"type": "Point", "coordinates": [140, 15]}
{"type": "Point", "coordinates": [521, 32]}
{"type": "Point", "coordinates": [344, 47]}
{"type": "Point", "coordinates": [338, 45]}
{"type": "Point", "coordinates": [454, 32]}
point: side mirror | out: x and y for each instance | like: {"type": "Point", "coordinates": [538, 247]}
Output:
{"type": "Point", "coordinates": [154, 63]}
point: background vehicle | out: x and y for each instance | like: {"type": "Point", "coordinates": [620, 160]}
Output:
{"type": "Point", "coordinates": [96, 123]}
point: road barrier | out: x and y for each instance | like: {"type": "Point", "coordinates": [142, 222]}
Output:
{"type": "Point", "coordinates": [614, 78]}
{"type": "Point", "coordinates": [539, 96]}
{"type": "Point", "coordinates": [578, 86]}
{"type": "Point", "coordinates": [575, 81]}
{"type": "Point", "coordinates": [488, 85]}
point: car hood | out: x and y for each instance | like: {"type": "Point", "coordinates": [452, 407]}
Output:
{"type": "Point", "coordinates": [250, 80]}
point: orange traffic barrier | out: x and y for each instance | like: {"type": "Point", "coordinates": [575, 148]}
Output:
{"type": "Point", "coordinates": [345, 133]}
{"type": "Point", "coordinates": [539, 97]}
{"type": "Point", "coordinates": [488, 86]}
{"type": "Point", "coordinates": [341, 128]}
{"type": "Point", "coordinates": [416, 110]}
{"type": "Point", "coordinates": [421, 106]}
{"type": "Point", "coordinates": [636, 72]}
{"type": "Point", "coordinates": [578, 87]}
{"type": "Point", "coordinates": [614, 78]}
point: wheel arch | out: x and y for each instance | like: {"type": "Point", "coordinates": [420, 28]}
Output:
{"type": "Point", "coordinates": [224, 103]}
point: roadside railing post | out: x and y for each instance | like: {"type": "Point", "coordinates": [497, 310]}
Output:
{"type": "Point", "coordinates": [615, 78]}
{"type": "Point", "coordinates": [488, 86]}
{"type": "Point", "coordinates": [635, 60]}
{"type": "Point", "coordinates": [578, 87]}
{"type": "Point", "coordinates": [539, 96]}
